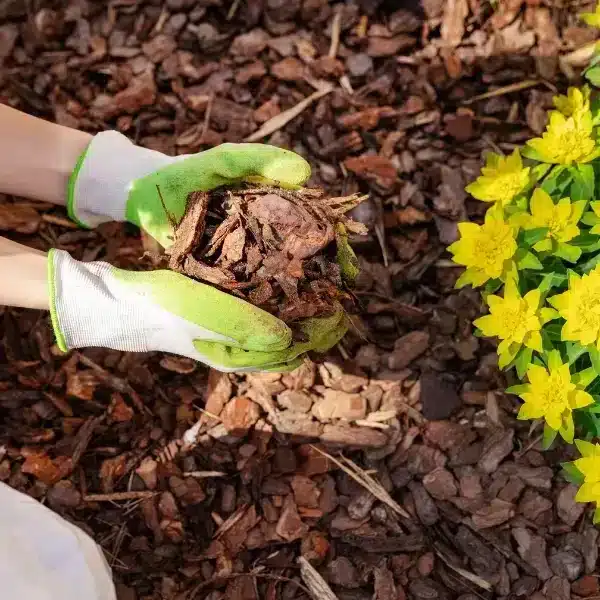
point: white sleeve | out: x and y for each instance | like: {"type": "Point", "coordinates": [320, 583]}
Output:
{"type": "Point", "coordinates": [44, 557]}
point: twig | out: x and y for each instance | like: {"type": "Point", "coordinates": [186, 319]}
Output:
{"type": "Point", "coordinates": [363, 478]}
{"type": "Point", "coordinates": [282, 119]}
{"type": "Point", "coordinates": [117, 496]}
{"type": "Point", "coordinates": [233, 9]}
{"type": "Point", "coordinates": [482, 583]}
{"type": "Point", "coordinates": [231, 521]}
{"type": "Point", "coordinates": [506, 89]}
{"type": "Point", "coordinates": [222, 578]}
{"type": "Point", "coordinates": [336, 26]}
{"type": "Point", "coordinates": [380, 235]}
{"type": "Point", "coordinates": [318, 588]}
{"type": "Point", "coordinates": [170, 217]}
{"type": "Point", "coordinates": [206, 122]}
{"type": "Point", "coordinates": [204, 474]}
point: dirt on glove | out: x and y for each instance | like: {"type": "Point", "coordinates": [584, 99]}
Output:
{"type": "Point", "coordinates": [285, 251]}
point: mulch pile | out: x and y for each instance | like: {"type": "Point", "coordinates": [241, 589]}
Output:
{"type": "Point", "coordinates": [203, 485]}
{"type": "Point", "coordinates": [285, 251]}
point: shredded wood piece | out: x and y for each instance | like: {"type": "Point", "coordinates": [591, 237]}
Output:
{"type": "Point", "coordinates": [319, 590]}
{"type": "Point", "coordinates": [505, 89]}
{"type": "Point", "coordinates": [472, 577]}
{"type": "Point", "coordinates": [118, 496]}
{"type": "Point", "coordinates": [204, 474]}
{"type": "Point", "coordinates": [60, 221]}
{"type": "Point", "coordinates": [336, 26]}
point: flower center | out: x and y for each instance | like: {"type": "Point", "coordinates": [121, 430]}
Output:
{"type": "Point", "coordinates": [513, 321]}
{"type": "Point", "coordinates": [574, 144]}
{"type": "Point", "coordinates": [554, 395]}
{"type": "Point", "coordinates": [509, 185]}
{"type": "Point", "coordinates": [588, 309]}
{"type": "Point", "coordinates": [555, 224]}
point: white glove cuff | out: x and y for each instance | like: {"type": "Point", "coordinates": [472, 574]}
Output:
{"type": "Point", "coordinates": [88, 309]}
{"type": "Point", "coordinates": [101, 181]}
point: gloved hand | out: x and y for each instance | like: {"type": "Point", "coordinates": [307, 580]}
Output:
{"type": "Point", "coordinates": [116, 180]}
{"type": "Point", "coordinates": [95, 304]}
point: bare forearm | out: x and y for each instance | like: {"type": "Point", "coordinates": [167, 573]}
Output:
{"type": "Point", "coordinates": [23, 276]}
{"type": "Point", "coordinates": [37, 156]}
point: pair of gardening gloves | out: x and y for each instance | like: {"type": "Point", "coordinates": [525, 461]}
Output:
{"type": "Point", "coordinates": [96, 304]}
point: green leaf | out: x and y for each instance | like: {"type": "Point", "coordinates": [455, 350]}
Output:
{"type": "Point", "coordinates": [551, 280]}
{"type": "Point", "coordinates": [568, 252]}
{"type": "Point", "coordinates": [584, 378]}
{"type": "Point", "coordinates": [529, 152]}
{"type": "Point", "coordinates": [539, 171]}
{"type": "Point", "coordinates": [582, 187]}
{"type": "Point", "coordinates": [593, 76]}
{"type": "Point", "coordinates": [593, 62]}
{"type": "Point", "coordinates": [527, 260]}
{"type": "Point", "coordinates": [517, 390]}
{"type": "Point", "coordinates": [585, 239]}
{"type": "Point", "coordinates": [594, 388]}
{"type": "Point", "coordinates": [590, 218]}
{"type": "Point", "coordinates": [594, 357]}
{"type": "Point", "coordinates": [491, 286]}
{"type": "Point", "coordinates": [571, 473]}
{"type": "Point", "coordinates": [522, 361]}
{"type": "Point", "coordinates": [530, 237]}
{"type": "Point", "coordinates": [574, 351]}
{"type": "Point", "coordinates": [553, 330]}
{"type": "Point", "coordinates": [590, 264]}
{"type": "Point", "coordinates": [549, 436]}
{"type": "Point", "coordinates": [593, 408]}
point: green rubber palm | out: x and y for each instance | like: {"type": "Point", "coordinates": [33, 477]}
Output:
{"type": "Point", "coordinates": [225, 164]}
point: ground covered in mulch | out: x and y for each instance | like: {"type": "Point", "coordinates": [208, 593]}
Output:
{"type": "Point", "coordinates": [203, 485]}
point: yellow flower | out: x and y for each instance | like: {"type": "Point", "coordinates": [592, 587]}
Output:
{"type": "Point", "coordinates": [579, 306]}
{"type": "Point", "coordinates": [567, 140]}
{"type": "Point", "coordinates": [515, 320]}
{"type": "Point", "coordinates": [592, 19]}
{"type": "Point", "coordinates": [561, 219]}
{"type": "Point", "coordinates": [501, 179]}
{"type": "Point", "coordinates": [552, 395]}
{"type": "Point", "coordinates": [486, 250]}
{"type": "Point", "coordinates": [589, 467]}
{"type": "Point", "coordinates": [576, 102]}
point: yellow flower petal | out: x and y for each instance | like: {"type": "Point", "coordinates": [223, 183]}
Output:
{"type": "Point", "coordinates": [530, 411]}
{"type": "Point", "coordinates": [581, 399]}
{"type": "Point", "coordinates": [534, 341]}
{"type": "Point", "coordinates": [541, 203]}
{"type": "Point", "coordinates": [537, 375]}
{"type": "Point", "coordinates": [588, 492]}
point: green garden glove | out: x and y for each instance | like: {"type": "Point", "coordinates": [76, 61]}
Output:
{"type": "Point", "coordinates": [95, 304]}
{"type": "Point", "coordinates": [118, 181]}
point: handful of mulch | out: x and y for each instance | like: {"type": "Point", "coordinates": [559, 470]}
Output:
{"type": "Point", "coordinates": [285, 251]}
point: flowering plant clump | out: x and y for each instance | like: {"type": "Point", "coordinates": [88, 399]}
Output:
{"type": "Point", "coordinates": [536, 258]}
